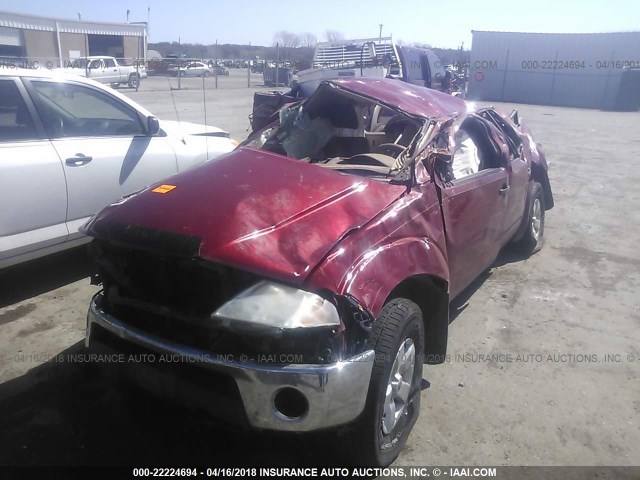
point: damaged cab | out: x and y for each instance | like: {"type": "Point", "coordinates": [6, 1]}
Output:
{"type": "Point", "coordinates": [304, 279]}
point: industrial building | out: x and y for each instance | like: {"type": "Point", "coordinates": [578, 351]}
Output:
{"type": "Point", "coordinates": [54, 42]}
{"type": "Point", "coordinates": [594, 70]}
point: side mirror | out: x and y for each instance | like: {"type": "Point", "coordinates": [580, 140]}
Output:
{"type": "Point", "coordinates": [153, 126]}
{"type": "Point", "coordinates": [442, 166]}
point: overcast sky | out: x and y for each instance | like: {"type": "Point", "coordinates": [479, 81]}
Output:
{"type": "Point", "coordinates": [442, 23]}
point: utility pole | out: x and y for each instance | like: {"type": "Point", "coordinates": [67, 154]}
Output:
{"type": "Point", "coordinates": [179, 64]}
{"type": "Point", "coordinates": [380, 36]}
{"type": "Point", "coordinates": [128, 12]}
{"type": "Point", "coordinates": [79, 16]}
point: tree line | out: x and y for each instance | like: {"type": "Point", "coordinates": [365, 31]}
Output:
{"type": "Point", "coordinates": [296, 48]}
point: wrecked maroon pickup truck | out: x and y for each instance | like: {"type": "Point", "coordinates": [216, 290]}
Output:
{"type": "Point", "coordinates": [304, 278]}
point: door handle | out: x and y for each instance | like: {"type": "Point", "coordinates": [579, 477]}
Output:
{"type": "Point", "coordinates": [505, 188]}
{"type": "Point", "coordinates": [78, 160]}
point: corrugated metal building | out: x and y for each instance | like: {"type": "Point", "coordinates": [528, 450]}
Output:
{"type": "Point", "coordinates": [564, 69]}
{"type": "Point", "coordinates": [44, 40]}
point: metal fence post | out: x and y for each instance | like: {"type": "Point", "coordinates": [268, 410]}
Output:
{"type": "Point", "coordinates": [277, 63]}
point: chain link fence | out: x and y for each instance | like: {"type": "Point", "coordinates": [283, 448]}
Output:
{"type": "Point", "coordinates": [177, 73]}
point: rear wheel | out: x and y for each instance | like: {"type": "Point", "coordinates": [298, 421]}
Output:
{"type": "Point", "coordinates": [533, 238]}
{"type": "Point", "coordinates": [134, 80]}
{"type": "Point", "coordinates": [393, 400]}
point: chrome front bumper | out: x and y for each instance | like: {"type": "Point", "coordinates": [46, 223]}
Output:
{"type": "Point", "coordinates": [336, 393]}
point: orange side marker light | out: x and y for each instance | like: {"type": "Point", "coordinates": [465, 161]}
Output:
{"type": "Point", "coordinates": [163, 189]}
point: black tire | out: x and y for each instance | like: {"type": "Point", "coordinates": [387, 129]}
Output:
{"type": "Point", "coordinates": [533, 238]}
{"type": "Point", "coordinates": [134, 80]}
{"type": "Point", "coordinates": [183, 73]}
{"type": "Point", "coordinates": [207, 73]}
{"type": "Point", "coordinates": [366, 443]}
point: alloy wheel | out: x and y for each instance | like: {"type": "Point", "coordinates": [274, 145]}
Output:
{"type": "Point", "coordinates": [399, 386]}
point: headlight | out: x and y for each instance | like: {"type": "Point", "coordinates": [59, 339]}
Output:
{"type": "Point", "coordinates": [268, 305]}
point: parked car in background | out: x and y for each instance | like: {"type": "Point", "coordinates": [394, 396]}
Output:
{"type": "Point", "coordinates": [69, 146]}
{"type": "Point", "coordinates": [106, 70]}
{"type": "Point", "coordinates": [306, 277]}
{"type": "Point", "coordinates": [220, 70]}
{"type": "Point", "coordinates": [191, 69]}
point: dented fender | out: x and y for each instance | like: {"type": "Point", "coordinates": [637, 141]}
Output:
{"type": "Point", "coordinates": [382, 270]}
{"type": "Point", "coordinates": [405, 239]}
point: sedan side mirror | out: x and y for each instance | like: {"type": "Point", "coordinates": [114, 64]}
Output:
{"type": "Point", "coordinates": [153, 126]}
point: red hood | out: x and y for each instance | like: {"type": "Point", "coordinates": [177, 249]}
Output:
{"type": "Point", "coordinates": [257, 211]}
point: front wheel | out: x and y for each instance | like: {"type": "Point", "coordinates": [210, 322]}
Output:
{"type": "Point", "coordinates": [533, 237]}
{"type": "Point", "coordinates": [134, 80]}
{"type": "Point", "coordinates": [393, 400]}
{"type": "Point", "coordinates": [207, 73]}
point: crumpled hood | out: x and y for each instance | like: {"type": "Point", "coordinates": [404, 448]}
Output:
{"type": "Point", "coordinates": [174, 128]}
{"type": "Point", "coordinates": [258, 211]}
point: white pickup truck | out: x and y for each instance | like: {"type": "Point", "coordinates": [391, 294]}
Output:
{"type": "Point", "coordinates": [106, 70]}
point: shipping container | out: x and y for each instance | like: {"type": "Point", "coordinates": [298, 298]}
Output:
{"type": "Point", "coordinates": [563, 69]}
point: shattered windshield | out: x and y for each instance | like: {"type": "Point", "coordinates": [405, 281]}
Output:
{"type": "Point", "coordinates": [343, 132]}
{"type": "Point", "coordinates": [300, 135]}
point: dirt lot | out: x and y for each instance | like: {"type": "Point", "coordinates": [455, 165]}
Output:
{"type": "Point", "coordinates": [551, 398]}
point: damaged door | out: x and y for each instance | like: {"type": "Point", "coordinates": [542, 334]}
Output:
{"type": "Point", "coordinates": [519, 167]}
{"type": "Point", "coordinates": [473, 207]}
